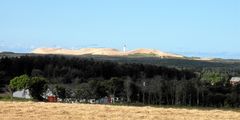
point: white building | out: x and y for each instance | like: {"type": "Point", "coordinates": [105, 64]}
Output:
{"type": "Point", "coordinates": [22, 94]}
{"type": "Point", "coordinates": [47, 93]}
{"type": "Point", "coordinates": [235, 80]}
{"type": "Point", "coordinates": [26, 94]}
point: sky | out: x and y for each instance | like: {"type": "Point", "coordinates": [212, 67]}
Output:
{"type": "Point", "coordinates": [204, 28]}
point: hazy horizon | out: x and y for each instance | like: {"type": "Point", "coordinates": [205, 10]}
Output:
{"type": "Point", "coordinates": [190, 28]}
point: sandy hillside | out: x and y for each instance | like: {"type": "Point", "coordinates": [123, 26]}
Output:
{"type": "Point", "coordinates": [60, 111]}
{"type": "Point", "coordinates": [102, 51]}
{"type": "Point", "coordinates": [152, 51]}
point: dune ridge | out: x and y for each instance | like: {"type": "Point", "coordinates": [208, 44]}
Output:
{"type": "Point", "coordinates": [104, 51]}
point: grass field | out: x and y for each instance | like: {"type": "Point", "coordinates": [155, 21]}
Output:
{"type": "Point", "coordinates": [61, 111]}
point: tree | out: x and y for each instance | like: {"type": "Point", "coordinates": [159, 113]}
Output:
{"type": "Point", "coordinates": [127, 88]}
{"type": "Point", "coordinates": [36, 73]}
{"type": "Point", "coordinates": [156, 86]}
{"type": "Point", "coordinates": [60, 92]}
{"type": "Point", "coordinates": [84, 91]}
{"type": "Point", "coordinates": [37, 87]}
{"type": "Point", "coordinates": [113, 85]}
{"type": "Point", "coordinates": [213, 77]}
{"type": "Point", "coordinates": [19, 83]}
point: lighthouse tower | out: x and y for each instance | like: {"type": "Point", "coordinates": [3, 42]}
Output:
{"type": "Point", "coordinates": [124, 48]}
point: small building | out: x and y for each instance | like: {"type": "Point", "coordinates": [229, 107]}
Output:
{"type": "Point", "coordinates": [52, 99]}
{"type": "Point", "coordinates": [104, 100]}
{"type": "Point", "coordinates": [235, 80]}
{"type": "Point", "coordinates": [47, 93]}
{"type": "Point", "coordinates": [49, 96]}
{"type": "Point", "coordinates": [24, 93]}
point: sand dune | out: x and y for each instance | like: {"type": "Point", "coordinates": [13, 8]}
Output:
{"type": "Point", "coordinates": [103, 51]}
{"type": "Point", "coordinates": [155, 52]}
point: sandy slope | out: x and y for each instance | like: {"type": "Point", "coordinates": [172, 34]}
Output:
{"type": "Point", "coordinates": [103, 51]}
{"type": "Point", "coordinates": [152, 51]}
{"type": "Point", "coordinates": [61, 111]}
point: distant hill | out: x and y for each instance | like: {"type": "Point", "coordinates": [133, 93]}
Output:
{"type": "Point", "coordinates": [107, 52]}
{"type": "Point", "coordinates": [136, 57]}
{"type": "Point", "coordinates": [7, 52]}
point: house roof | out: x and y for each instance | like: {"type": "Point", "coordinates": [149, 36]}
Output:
{"type": "Point", "coordinates": [235, 79]}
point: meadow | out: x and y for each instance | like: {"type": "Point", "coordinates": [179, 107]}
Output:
{"type": "Point", "coordinates": [63, 111]}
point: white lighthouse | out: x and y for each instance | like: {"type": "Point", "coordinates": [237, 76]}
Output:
{"type": "Point", "coordinates": [124, 48]}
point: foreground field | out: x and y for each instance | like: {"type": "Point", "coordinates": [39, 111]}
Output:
{"type": "Point", "coordinates": [60, 111]}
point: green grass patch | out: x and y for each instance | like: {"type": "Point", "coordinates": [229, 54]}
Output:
{"type": "Point", "coordinates": [8, 98]}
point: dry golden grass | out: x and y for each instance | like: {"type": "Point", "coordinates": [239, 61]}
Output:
{"type": "Point", "coordinates": [60, 111]}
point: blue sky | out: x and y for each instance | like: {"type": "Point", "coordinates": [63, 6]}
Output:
{"type": "Point", "coordinates": [207, 28]}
